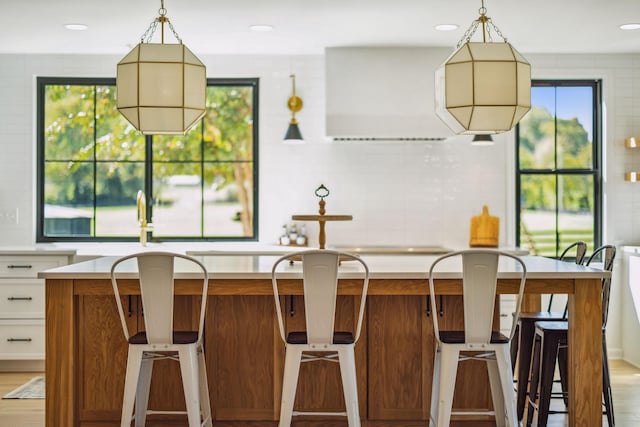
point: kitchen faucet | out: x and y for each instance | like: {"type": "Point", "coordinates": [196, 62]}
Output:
{"type": "Point", "coordinates": [141, 203]}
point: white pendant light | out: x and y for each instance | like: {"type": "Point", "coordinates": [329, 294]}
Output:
{"type": "Point", "coordinates": [483, 87]}
{"type": "Point", "coordinates": [161, 88]}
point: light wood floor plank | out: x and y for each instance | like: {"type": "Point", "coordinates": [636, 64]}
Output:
{"type": "Point", "coordinates": [625, 380]}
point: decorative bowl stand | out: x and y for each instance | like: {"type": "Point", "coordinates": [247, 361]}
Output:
{"type": "Point", "coordinates": [322, 218]}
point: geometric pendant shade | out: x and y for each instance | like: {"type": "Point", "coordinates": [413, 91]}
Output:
{"type": "Point", "coordinates": [483, 88]}
{"type": "Point", "coordinates": [161, 88]}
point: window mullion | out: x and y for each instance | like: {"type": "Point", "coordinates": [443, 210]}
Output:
{"type": "Point", "coordinates": [148, 176]}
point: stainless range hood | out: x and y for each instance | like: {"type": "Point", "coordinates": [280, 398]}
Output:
{"type": "Point", "coordinates": [383, 93]}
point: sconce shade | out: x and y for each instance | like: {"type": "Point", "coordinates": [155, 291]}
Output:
{"type": "Point", "coordinates": [483, 88]}
{"type": "Point", "coordinates": [161, 88]}
{"type": "Point", "coordinates": [293, 132]}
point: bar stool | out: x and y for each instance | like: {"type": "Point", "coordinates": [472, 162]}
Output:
{"type": "Point", "coordinates": [522, 344]}
{"type": "Point", "coordinates": [551, 344]}
{"type": "Point", "coordinates": [160, 341]}
{"type": "Point", "coordinates": [479, 279]}
{"type": "Point", "coordinates": [320, 285]}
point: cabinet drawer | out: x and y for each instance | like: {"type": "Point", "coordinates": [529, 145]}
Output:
{"type": "Point", "coordinates": [28, 266]}
{"type": "Point", "coordinates": [22, 339]}
{"type": "Point", "coordinates": [21, 299]}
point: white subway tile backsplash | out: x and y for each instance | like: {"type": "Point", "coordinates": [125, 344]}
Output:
{"type": "Point", "coordinates": [398, 192]}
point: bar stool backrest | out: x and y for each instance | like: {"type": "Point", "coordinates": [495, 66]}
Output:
{"type": "Point", "coordinates": [479, 281]}
{"type": "Point", "coordinates": [156, 276]}
{"type": "Point", "coordinates": [608, 255]}
{"type": "Point", "coordinates": [581, 250]}
{"type": "Point", "coordinates": [320, 285]}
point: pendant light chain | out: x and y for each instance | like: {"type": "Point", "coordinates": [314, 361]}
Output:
{"type": "Point", "coordinates": [148, 34]}
{"type": "Point", "coordinates": [487, 26]}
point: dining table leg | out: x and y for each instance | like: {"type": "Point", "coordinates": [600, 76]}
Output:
{"type": "Point", "coordinates": [585, 354]}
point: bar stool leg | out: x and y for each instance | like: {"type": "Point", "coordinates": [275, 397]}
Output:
{"type": "Point", "coordinates": [134, 362]}
{"type": "Point", "coordinates": [435, 386]}
{"type": "Point", "coordinates": [449, 355]}
{"type": "Point", "coordinates": [506, 380]}
{"type": "Point", "coordinates": [190, 383]}
{"type": "Point", "coordinates": [527, 333]}
{"type": "Point", "coordinates": [142, 392]}
{"type": "Point", "coordinates": [496, 392]}
{"type": "Point", "coordinates": [547, 371]}
{"type": "Point", "coordinates": [347, 360]}
{"type": "Point", "coordinates": [292, 360]}
{"type": "Point", "coordinates": [205, 400]}
{"type": "Point", "coordinates": [606, 383]}
{"type": "Point", "coordinates": [534, 379]}
{"type": "Point", "coordinates": [563, 368]}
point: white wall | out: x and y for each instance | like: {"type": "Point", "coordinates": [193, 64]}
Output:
{"type": "Point", "coordinates": [400, 193]}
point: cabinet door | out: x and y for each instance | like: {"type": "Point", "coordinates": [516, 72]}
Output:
{"type": "Point", "coordinates": [102, 355]}
{"type": "Point", "coordinates": [400, 358]}
{"type": "Point", "coordinates": [244, 356]}
{"type": "Point", "coordinates": [319, 383]}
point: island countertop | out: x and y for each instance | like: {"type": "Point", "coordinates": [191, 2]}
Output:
{"type": "Point", "coordinates": [380, 266]}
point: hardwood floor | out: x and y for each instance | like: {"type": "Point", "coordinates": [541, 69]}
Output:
{"type": "Point", "coordinates": [19, 412]}
{"type": "Point", "coordinates": [624, 377]}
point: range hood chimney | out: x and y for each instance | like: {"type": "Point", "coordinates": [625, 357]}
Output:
{"type": "Point", "coordinates": [383, 93]}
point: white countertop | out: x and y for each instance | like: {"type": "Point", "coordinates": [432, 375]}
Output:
{"type": "Point", "coordinates": [97, 249]}
{"type": "Point", "coordinates": [380, 266]}
{"type": "Point", "coordinates": [44, 249]}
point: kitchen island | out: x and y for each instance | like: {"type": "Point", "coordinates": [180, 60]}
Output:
{"type": "Point", "coordinates": [86, 351]}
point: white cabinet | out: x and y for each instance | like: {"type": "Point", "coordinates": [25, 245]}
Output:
{"type": "Point", "coordinates": [22, 304]}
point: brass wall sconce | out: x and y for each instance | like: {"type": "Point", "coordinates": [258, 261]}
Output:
{"type": "Point", "coordinates": [295, 104]}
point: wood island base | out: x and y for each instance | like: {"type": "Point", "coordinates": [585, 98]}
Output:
{"type": "Point", "coordinates": [86, 350]}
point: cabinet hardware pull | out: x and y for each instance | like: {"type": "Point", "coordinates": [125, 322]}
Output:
{"type": "Point", "coordinates": [441, 312]}
{"type": "Point", "coordinates": [20, 299]}
{"type": "Point", "coordinates": [129, 312]}
{"type": "Point", "coordinates": [19, 340]}
{"type": "Point", "coordinates": [428, 306]}
{"type": "Point", "coordinates": [292, 310]}
{"type": "Point", "coordinates": [19, 266]}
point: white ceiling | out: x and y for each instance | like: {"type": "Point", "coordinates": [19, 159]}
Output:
{"type": "Point", "coordinates": [307, 27]}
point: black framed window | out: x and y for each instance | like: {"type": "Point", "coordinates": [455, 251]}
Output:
{"type": "Point", "coordinates": [559, 167]}
{"type": "Point", "coordinates": [92, 163]}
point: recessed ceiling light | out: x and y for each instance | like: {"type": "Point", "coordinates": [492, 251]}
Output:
{"type": "Point", "coordinates": [76, 27]}
{"type": "Point", "coordinates": [261, 27]}
{"type": "Point", "coordinates": [630, 26]}
{"type": "Point", "coordinates": [446, 27]}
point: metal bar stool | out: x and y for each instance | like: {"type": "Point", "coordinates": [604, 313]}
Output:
{"type": "Point", "coordinates": [320, 286]}
{"type": "Point", "coordinates": [479, 280]}
{"type": "Point", "coordinates": [551, 344]}
{"type": "Point", "coordinates": [160, 341]}
{"type": "Point", "coordinates": [522, 344]}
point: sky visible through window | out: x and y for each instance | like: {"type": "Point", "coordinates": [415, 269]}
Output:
{"type": "Point", "coordinates": [572, 102]}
